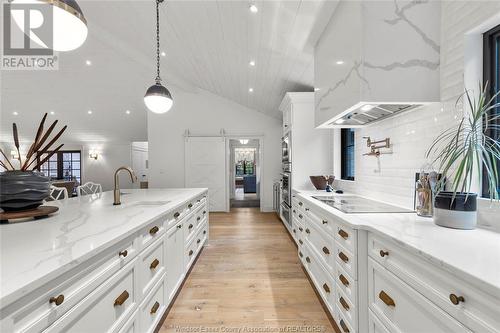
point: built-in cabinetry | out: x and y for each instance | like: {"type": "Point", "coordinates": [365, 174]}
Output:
{"type": "Point", "coordinates": [369, 283]}
{"type": "Point", "coordinates": [125, 288]}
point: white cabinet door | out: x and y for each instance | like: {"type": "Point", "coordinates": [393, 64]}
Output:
{"type": "Point", "coordinates": [205, 164]}
{"type": "Point", "coordinates": [174, 259]}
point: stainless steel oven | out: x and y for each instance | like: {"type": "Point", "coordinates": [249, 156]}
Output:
{"type": "Point", "coordinates": [286, 148]}
{"type": "Point", "coordinates": [285, 214]}
{"type": "Point", "coordinates": [286, 188]}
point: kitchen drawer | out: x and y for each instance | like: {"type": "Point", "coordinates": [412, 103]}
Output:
{"type": "Point", "coordinates": [35, 312]}
{"type": "Point", "coordinates": [152, 309]}
{"type": "Point", "coordinates": [346, 284]}
{"type": "Point", "coordinates": [479, 311]}
{"type": "Point", "coordinates": [347, 261]}
{"type": "Point", "coordinates": [175, 216]}
{"type": "Point", "coordinates": [325, 222]}
{"type": "Point", "coordinates": [347, 237]}
{"type": "Point", "coordinates": [151, 233]}
{"type": "Point", "coordinates": [189, 228]}
{"type": "Point", "coordinates": [347, 308]}
{"type": "Point", "coordinates": [321, 279]}
{"type": "Point", "coordinates": [401, 308]}
{"type": "Point", "coordinates": [204, 232]}
{"type": "Point", "coordinates": [106, 309]}
{"type": "Point", "coordinates": [190, 254]}
{"type": "Point", "coordinates": [199, 239]}
{"type": "Point", "coordinates": [132, 324]}
{"type": "Point", "coordinates": [344, 324]}
{"type": "Point", "coordinates": [151, 266]}
{"type": "Point", "coordinates": [375, 325]}
{"type": "Point", "coordinates": [294, 229]}
{"type": "Point", "coordinates": [199, 217]}
{"type": "Point", "coordinates": [323, 246]}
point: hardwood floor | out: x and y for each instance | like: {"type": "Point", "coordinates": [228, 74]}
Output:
{"type": "Point", "coordinates": [248, 277]}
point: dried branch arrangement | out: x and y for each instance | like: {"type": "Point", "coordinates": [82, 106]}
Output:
{"type": "Point", "coordinates": [40, 146]}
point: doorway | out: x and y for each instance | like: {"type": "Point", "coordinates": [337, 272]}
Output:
{"type": "Point", "coordinates": [244, 172]}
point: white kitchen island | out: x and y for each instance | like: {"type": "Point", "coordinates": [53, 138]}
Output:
{"type": "Point", "coordinates": [95, 267]}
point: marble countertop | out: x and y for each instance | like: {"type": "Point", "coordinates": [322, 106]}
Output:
{"type": "Point", "coordinates": [472, 255]}
{"type": "Point", "coordinates": [34, 252]}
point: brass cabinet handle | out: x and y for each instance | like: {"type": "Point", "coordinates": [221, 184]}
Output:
{"type": "Point", "coordinates": [57, 300]}
{"type": "Point", "coordinates": [386, 298]}
{"type": "Point", "coordinates": [300, 203]}
{"type": "Point", "coordinates": [204, 212]}
{"type": "Point", "coordinates": [198, 218]}
{"type": "Point", "coordinates": [300, 254]}
{"type": "Point", "coordinates": [199, 200]}
{"type": "Point", "coordinates": [177, 214]}
{"type": "Point", "coordinates": [300, 228]}
{"type": "Point", "coordinates": [344, 303]}
{"type": "Point", "coordinates": [294, 211]}
{"type": "Point", "coordinates": [344, 280]}
{"type": "Point", "coordinates": [325, 286]}
{"type": "Point", "coordinates": [204, 232]}
{"type": "Point", "coordinates": [122, 298]}
{"type": "Point", "coordinates": [308, 231]}
{"type": "Point", "coordinates": [308, 259]}
{"type": "Point", "coordinates": [190, 252]}
{"type": "Point", "coordinates": [198, 241]}
{"type": "Point", "coordinates": [307, 209]}
{"type": "Point", "coordinates": [155, 308]}
{"type": "Point", "coordinates": [154, 230]}
{"type": "Point", "coordinates": [190, 205]}
{"type": "Point", "coordinates": [383, 253]}
{"type": "Point", "coordinates": [179, 226]}
{"type": "Point", "coordinates": [343, 257]}
{"type": "Point", "coordinates": [343, 234]}
{"type": "Point", "coordinates": [300, 216]}
{"type": "Point", "coordinates": [123, 253]}
{"type": "Point", "coordinates": [294, 231]}
{"type": "Point", "coordinates": [456, 299]}
{"type": "Point", "coordinates": [155, 263]}
{"type": "Point", "coordinates": [300, 241]}
{"type": "Point", "coordinates": [344, 326]}
{"type": "Point", "coordinates": [190, 226]}
{"type": "Point", "coordinates": [325, 250]}
{"type": "Point", "coordinates": [324, 222]}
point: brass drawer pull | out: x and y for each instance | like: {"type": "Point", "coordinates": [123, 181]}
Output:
{"type": "Point", "coordinates": [324, 222]}
{"type": "Point", "coordinates": [204, 232]}
{"type": "Point", "coordinates": [294, 231]}
{"type": "Point", "coordinates": [343, 257]}
{"type": "Point", "coordinates": [300, 216]}
{"type": "Point", "coordinates": [300, 241]}
{"type": "Point", "coordinates": [383, 253]}
{"type": "Point", "coordinates": [294, 211]}
{"type": "Point", "coordinates": [300, 228]}
{"type": "Point", "coordinates": [57, 300]}
{"type": "Point", "coordinates": [154, 264]}
{"type": "Point", "coordinates": [308, 231]}
{"type": "Point", "coordinates": [456, 299]}
{"type": "Point", "coordinates": [300, 254]}
{"type": "Point", "coordinates": [344, 280]}
{"type": "Point", "coordinates": [154, 230]}
{"type": "Point", "coordinates": [343, 234]}
{"type": "Point", "coordinates": [123, 253]}
{"type": "Point", "coordinates": [190, 226]}
{"type": "Point", "coordinates": [344, 303]}
{"type": "Point", "coordinates": [198, 218]}
{"type": "Point", "coordinates": [122, 298]}
{"type": "Point", "coordinates": [307, 209]}
{"type": "Point", "coordinates": [190, 205]}
{"type": "Point", "coordinates": [308, 259]}
{"type": "Point", "coordinates": [386, 299]}
{"type": "Point", "coordinates": [199, 200]}
{"type": "Point", "coordinates": [198, 241]}
{"type": "Point", "coordinates": [190, 252]}
{"type": "Point", "coordinates": [179, 226]}
{"type": "Point", "coordinates": [344, 326]}
{"type": "Point", "coordinates": [204, 212]}
{"type": "Point", "coordinates": [177, 214]}
{"type": "Point", "coordinates": [325, 286]}
{"type": "Point", "coordinates": [325, 250]}
{"type": "Point", "coordinates": [155, 308]}
{"type": "Point", "coordinates": [300, 203]}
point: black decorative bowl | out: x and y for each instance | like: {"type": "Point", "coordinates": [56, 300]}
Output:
{"type": "Point", "coordinates": [22, 190]}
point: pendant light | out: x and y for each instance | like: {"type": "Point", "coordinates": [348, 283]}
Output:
{"type": "Point", "coordinates": [158, 98]}
{"type": "Point", "coordinates": [69, 25]}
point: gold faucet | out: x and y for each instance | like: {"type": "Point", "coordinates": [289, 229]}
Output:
{"type": "Point", "coordinates": [133, 178]}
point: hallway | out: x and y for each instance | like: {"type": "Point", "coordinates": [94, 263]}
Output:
{"type": "Point", "coordinates": [248, 277]}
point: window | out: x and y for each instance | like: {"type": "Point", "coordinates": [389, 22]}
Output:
{"type": "Point", "coordinates": [491, 74]}
{"type": "Point", "coordinates": [347, 153]}
{"type": "Point", "coordinates": [63, 165]}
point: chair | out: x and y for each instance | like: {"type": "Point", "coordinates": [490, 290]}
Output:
{"type": "Point", "coordinates": [88, 188]}
{"type": "Point", "coordinates": [57, 193]}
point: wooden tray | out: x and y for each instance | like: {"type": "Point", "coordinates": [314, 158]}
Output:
{"type": "Point", "coordinates": [37, 213]}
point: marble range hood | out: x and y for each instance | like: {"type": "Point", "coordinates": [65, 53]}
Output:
{"type": "Point", "coordinates": [376, 59]}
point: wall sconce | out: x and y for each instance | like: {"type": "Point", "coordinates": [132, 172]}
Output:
{"type": "Point", "coordinates": [93, 154]}
{"type": "Point", "coordinates": [14, 155]}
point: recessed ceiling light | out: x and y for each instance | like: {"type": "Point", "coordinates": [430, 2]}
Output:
{"type": "Point", "coordinates": [163, 54]}
{"type": "Point", "coordinates": [15, 113]}
{"type": "Point", "coordinates": [367, 107]}
{"type": "Point", "coordinates": [88, 62]}
{"type": "Point", "coordinates": [316, 89]}
{"type": "Point", "coordinates": [89, 111]}
{"type": "Point", "coordinates": [52, 113]}
{"type": "Point", "coordinates": [250, 89]}
{"type": "Point", "coordinates": [127, 112]}
{"type": "Point", "coordinates": [253, 9]}
{"type": "Point", "coordinates": [340, 62]}
{"type": "Point", "coordinates": [252, 63]}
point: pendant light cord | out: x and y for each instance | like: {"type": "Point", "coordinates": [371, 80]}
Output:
{"type": "Point", "coordinates": [158, 79]}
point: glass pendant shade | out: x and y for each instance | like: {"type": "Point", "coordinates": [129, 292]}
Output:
{"type": "Point", "coordinates": [69, 25]}
{"type": "Point", "coordinates": [158, 99]}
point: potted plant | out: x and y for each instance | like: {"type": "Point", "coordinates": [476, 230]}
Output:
{"type": "Point", "coordinates": [462, 152]}
{"type": "Point", "coordinates": [22, 187]}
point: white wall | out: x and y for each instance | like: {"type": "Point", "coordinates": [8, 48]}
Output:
{"type": "Point", "coordinates": [390, 177]}
{"type": "Point", "coordinates": [205, 113]}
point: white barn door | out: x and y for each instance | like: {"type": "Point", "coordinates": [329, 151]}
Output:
{"type": "Point", "coordinates": [205, 161]}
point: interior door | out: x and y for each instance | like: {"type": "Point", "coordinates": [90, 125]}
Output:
{"type": "Point", "coordinates": [206, 167]}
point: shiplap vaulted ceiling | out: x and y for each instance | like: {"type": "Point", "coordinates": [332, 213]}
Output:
{"type": "Point", "coordinates": [208, 45]}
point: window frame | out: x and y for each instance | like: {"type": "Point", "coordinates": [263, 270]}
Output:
{"type": "Point", "coordinates": [491, 66]}
{"type": "Point", "coordinates": [344, 163]}
{"type": "Point", "coordinates": [60, 163]}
